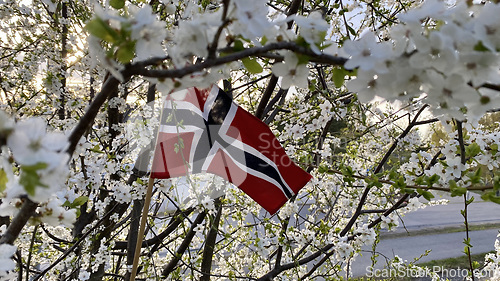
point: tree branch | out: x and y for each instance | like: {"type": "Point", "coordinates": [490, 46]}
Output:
{"type": "Point", "coordinates": [266, 96]}
{"type": "Point", "coordinates": [182, 248]}
{"type": "Point", "coordinates": [74, 246]}
{"type": "Point", "coordinates": [87, 119]}
{"type": "Point", "coordinates": [208, 250]}
{"type": "Point", "coordinates": [16, 225]}
{"type": "Point", "coordinates": [254, 51]}
{"type": "Point", "coordinates": [378, 169]}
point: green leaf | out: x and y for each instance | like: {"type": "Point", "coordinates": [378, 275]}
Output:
{"type": "Point", "coordinates": [3, 180]}
{"type": "Point", "coordinates": [373, 181]}
{"type": "Point", "coordinates": [496, 183]}
{"type": "Point", "coordinates": [181, 143]}
{"type": "Point", "coordinates": [456, 190]}
{"type": "Point", "coordinates": [252, 65]}
{"type": "Point", "coordinates": [494, 199]}
{"type": "Point", "coordinates": [322, 169]}
{"type": "Point", "coordinates": [96, 149]}
{"type": "Point", "coordinates": [80, 201]}
{"type": "Point", "coordinates": [480, 47]}
{"type": "Point", "coordinates": [393, 175]}
{"type": "Point", "coordinates": [351, 30]}
{"type": "Point", "coordinates": [426, 194]}
{"type": "Point", "coordinates": [338, 76]}
{"type": "Point", "coordinates": [264, 40]}
{"type": "Point", "coordinates": [102, 30]}
{"type": "Point", "coordinates": [400, 183]}
{"type": "Point", "coordinates": [472, 150]}
{"type": "Point", "coordinates": [459, 191]}
{"type": "Point", "coordinates": [432, 179]}
{"type": "Point", "coordinates": [468, 202]}
{"type": "Point", "coordinates": [475, 177]}
{"type": "Point", "coordinates": [29, 178]}
{"type": "Point", "coordinates": [466, 250]}
{"type": "Point", "coordinates": [491, 196]}
{"type": "Point", "coordinates": [238, 46]}
{"type": "Point", "coordinates": [348, 173]}
{"type": "Point", "coordinates": [494, 148]}
{"type": "Point", "coordinates": [34, 167]}
{"type": "Point", "coordinates": [302, 59]}
{"type": "Point", "coordinates": [117, 4]}
{"type": "Point", "coordinates": [467, 242]}
{"type": "Point", "coordinates": [126, 52]}
{"type": "Point", "coordinates": [66, 204]}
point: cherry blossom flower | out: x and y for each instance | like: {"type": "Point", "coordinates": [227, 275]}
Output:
{"type": "Point", "coordinates": [343, 250]}
{"type": "Point", "coordinates": [478, 67]}
{"type": "Point", "coordinates": [6, 124]}
{"type": "Point", "coordinates": [414, 204]}
{"type": "Point", "coordinates": [368, 84]}
{"type": "Point", "coordinates": [148, 32]}
{"type": "Point", "coordinates": [297, 131]}
{"type": "Point", "coordinates": [52, 213]}
{"type": "Point", "coordinates": [437, 52]}
{"type": "Point", "coordinates": [291, 72]}
{"type": "Point", "coordinates": [366, 53]}
{"type": "Point", "coordinates": [487, 26]}
{"type": "Point", "coordinates": [488, 99]}
{"type": "Point", "coordinates": [252, 21]}
{"type": "Point", "coordinates": [326, 107]}
{"type": "Point", "coordinates": [84, 275]}
{"type": "Point", "coordinates": [31, 144]}
{"type": "Point", "coordinates": [450, 93]}
{"type": "Point", "coordinates": [314, 125]}
{"type": "Point", "coordinates": [312, 29]}
{"type": "Point", "coordinates": [429, 8]}
{"type": "Point", "coordinates": [389, 222]}
{"type": "Point", "coordinates": [192, 39]}
{"type": "Point", "coordinates": [6, 262]}
{"type": "Point", "coordinates": [199, 228]}
{"type": "Point", "coordinates": [455, 167]}
{"type": "Point", "coordinates": [100, 58]}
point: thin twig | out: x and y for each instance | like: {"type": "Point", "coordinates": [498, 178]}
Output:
{"type": "Point", "coordinates": [74, 246]}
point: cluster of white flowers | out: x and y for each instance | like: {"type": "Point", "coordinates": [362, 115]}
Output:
{"type": "Point", "coordinates": [450, 60]}
{"type": "Point", "coordinates": [390, 222]}
{"type": "Point", "coordinates": [480, 144]}
{"type": "Point", "coordinates": [291, 71]}
{"type": "Point", "coordinates": [343, 250]}
{"type": "Point", "coordinates": [6, 262]}
{"type": "Point", "coordinates": [492, 262]}
{"type": "Point", "coordinates": [192, 38]}
{"type": "Point", "coordinates": [40, 157]}
{"type": "Point", "coordinates": [146, 36]}
{"type": "Point", "coordinates": [33, 163]}
{"type": "Point", "coordinates": [365, 235]}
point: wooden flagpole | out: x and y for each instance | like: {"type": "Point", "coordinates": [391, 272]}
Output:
{"type": "Point", "coordinates": [142, 227]}
{"type": "Point", "coordinates": [145, 211]}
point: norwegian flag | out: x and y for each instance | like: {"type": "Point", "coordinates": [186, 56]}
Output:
{"type": "Point", "coordinates": [207, 132]}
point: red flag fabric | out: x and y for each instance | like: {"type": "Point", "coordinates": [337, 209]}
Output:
{"type": "Point", "coordinates": [206, 131]}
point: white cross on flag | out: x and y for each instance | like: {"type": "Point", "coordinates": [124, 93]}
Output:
{"type": "Point", "coordinates": [207, 132]}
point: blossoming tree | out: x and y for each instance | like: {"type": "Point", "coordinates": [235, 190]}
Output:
{"type": "Point", "coordinates": [354, 90]}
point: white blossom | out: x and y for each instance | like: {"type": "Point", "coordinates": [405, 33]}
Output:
{"type": "Point", "coordinates": [292, 72]}
{"type": "Point", "coordinates": [366, 53]}
{"type": "Point", "coordinates": [6, 262]}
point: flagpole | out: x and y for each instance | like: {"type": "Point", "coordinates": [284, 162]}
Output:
{"type": "Point", "coordinates": [142, 227]}
{"type": "Point", "coordinates": [145, 211]}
